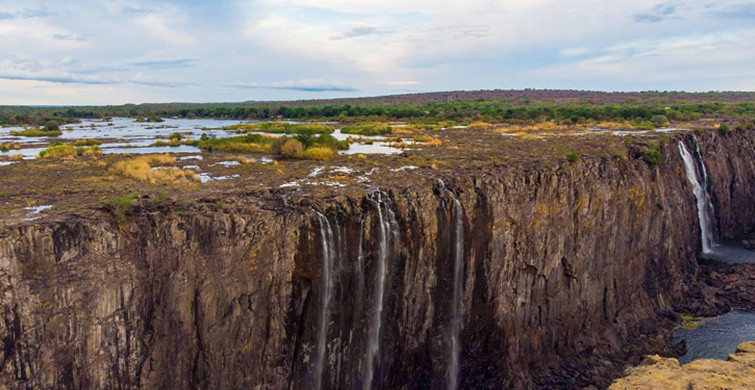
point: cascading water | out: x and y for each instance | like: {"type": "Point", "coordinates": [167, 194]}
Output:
{"type": "Point", "coordinates": [456, 320]}
{"type": "Point", "coordinates": [458, 293]}
{"type": "Point", "coordinates": [388, 231]}
{"type": "Point", "coordinates": [700, 189]}
{"type": "Point", "coordinates": [328, 259]}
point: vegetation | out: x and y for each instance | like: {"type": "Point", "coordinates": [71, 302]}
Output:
{"type": "Point", "coordinates": [37, 133]}
{"type": "Point", "coordinates": [69, 151]}
{"type": "Point", "coordinates": [724, 129]}
{"type": "Point", "coordinates": [642, 110]}
{"type": "Point", "coordinates": [120, 206]}
{"type": "Point", "coordinates": [368, 129]}
{"type": "Point", "coordinates": [140, 168]}
{"type": "Point", "coordinates": [292, 148]}
{"type": "Point", "coordinates": [150, 119]}
{"type": "Point", "coordinates": [653, 158]}
{"type": "Point", "coordinates": [281, 128]}
{"type": "Point", "coordinates": [4, 147]}
{"type": "Point", "coordinates": [572, 157]}
{"type": "Point", "coordinates": [317, 153]}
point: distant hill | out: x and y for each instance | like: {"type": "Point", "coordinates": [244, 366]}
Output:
{"type": "Point", "coordinates": [557, 96]}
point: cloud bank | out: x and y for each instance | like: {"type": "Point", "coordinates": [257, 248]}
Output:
{"type": "Point", "coordinates": [119, 51]}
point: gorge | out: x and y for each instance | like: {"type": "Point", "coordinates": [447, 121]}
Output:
{"type": "Point", "coordinates": [477, 275]}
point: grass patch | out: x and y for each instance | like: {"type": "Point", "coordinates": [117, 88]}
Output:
{"type": "Point", "coordinates": [9, 146]}
{"type": "Point", "coordinates": [572, 157]}
{"type": "Point", "coordinates": [281, 128]}
{"type": "Point", "coordinates": [653, 158]}
{"type": "Point", "coordinates": [317, 153]}
{"type": "Point", "coordinates": [36, 133]}
{"type": "Point", "coordinates": [368, 129]}
{"type": "Point", "coordinates": [69, 151]}
{"type": "Point", "coordinates": [140, 168]}
{"type": "Point", "coordinates": [619, 154]}
{"type": "Point", "coordinates": [87, 142]}
{"type": "Point", "coordinates": [479, 126]}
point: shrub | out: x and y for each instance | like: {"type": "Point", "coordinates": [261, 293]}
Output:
{"type": "Point", "coordinates": [281, 128]}
{"type": "Point", "coordinates": [368, 129]}
{"type": "Point", "coordinates": [724, 129]}
{"type": "Point", "coordinates": [653, 158]}
{"type": "Point", "coordinates": [87, 142]}
{"type": "Point", "coordinates": [120, 206]}
{"type": "Point", "coordinates": [292, 148]}
{"type": "Point", "coordinates": [318, 153]}
{"type": "Point", "coordinates": [52, 126]}
{"type": "Point", "coordinates": [572, 157]}
{"type": "Point", "coordinates": [618, 154]}
{"type": "Point", "coordinates": [659, 120]}
{"type": "Point", "coordinates": [59, 151]}
{"type": "Point", "coordinates": [160, 199]}
{"type": "Point", "coordinates": [175, 136]}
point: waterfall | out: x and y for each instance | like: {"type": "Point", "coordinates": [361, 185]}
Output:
{"type": "Point", "coordinates": [456, 320]}
{"type": "Point", "coordinates": [328, 258]}
{"type": "Point", "coordinates": [388, 234]}
{"type": "Point", "coordinates": [700, 189]}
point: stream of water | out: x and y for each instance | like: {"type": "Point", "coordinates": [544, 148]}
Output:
{"type": "Point", "coordinates": [388, 234]}
{"type": "Point", "coordinates": [456, 320]}
{"type": "Point", "coordinates": [328, 259]}
{"type": "Point", "coordinates": [700, 189]}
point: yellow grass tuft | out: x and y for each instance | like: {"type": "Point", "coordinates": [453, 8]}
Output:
{"type": "Point", "coordinates": [317, 154]}
{"type": "Point", "coordinates": [478, 125]}
{"type": "Point", "coordinates": [140, 168]}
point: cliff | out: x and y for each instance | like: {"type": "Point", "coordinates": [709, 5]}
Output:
{"type": "Point", "coordinates": [543, 275]}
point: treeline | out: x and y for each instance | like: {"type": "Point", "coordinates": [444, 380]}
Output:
{"type": "Point", "coordinates": [457, 110]}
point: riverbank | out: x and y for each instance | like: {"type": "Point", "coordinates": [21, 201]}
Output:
{"type": "Point", "coordinates": [737, 372]}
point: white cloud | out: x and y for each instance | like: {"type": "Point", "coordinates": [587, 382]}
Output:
{"type": "Point", "coordinates": [280, 49]}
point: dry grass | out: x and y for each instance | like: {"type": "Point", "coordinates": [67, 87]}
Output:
{"type": "Point", "coordinates": [526, 135]}
{"type": "Point", "coordinates": [479, 126]}
{"type": "Point", "coordinates": [140, 168]}
{"type": "Point", "coordinates": [317, 154]}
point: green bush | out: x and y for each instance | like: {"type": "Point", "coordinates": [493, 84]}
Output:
{"type": "Point", "coordinates": [653, 158]}
{"type": "Point", "coordinates": [367, 129]}
{"type": "Point", "coordinates": [572, 157]}
{"type": "Point", "coordinates": [618, 154]}
{"type": "Point", "coordinates": [724, 129]}
{"type": "Point", "coordinates": [119, 206]}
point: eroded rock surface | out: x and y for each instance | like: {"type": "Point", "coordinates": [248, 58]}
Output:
{"type": "Point", "coordinates": [569, 271]}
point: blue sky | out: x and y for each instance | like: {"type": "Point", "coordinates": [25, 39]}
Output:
{"type": "Point", "coordinates": [113, 52]}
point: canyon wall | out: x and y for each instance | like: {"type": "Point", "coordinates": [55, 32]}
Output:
{"type": "Point", "coordinates": [565, 270]}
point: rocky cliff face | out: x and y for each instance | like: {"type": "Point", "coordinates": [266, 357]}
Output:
{"type": "Point", "coordinates": [560, 265]}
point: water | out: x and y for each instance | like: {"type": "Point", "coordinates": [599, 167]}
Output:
{"type": "Point", "coordinates": [388, 235]}
{"type": "Point", "coordinates": [731, 252]}
{"type": "Point", "coordinates": [717, 337]}
{"type": "Point", "coordinates": [328, 260]}
{"type": "Point", "coordinates": [128, 136]}
{"type": "Point", "coordinates": [699, 188]}
{"type": "Point", "coordinates": [456, 320]}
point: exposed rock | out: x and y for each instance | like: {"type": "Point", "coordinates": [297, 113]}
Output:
{"type": "Point", "coordinates": [655, 372]}
{"type": "Point", "coordinates": [569, 272]}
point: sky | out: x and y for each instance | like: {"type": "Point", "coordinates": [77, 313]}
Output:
{"type": "Point", "coordinates": [99, 52]}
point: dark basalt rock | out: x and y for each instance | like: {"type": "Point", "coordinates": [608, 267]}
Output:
{"type": "Point", "coordinates": [570, 273]}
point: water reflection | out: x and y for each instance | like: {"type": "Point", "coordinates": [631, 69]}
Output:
{"type": "Point", "coordinates": [717, 337]}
